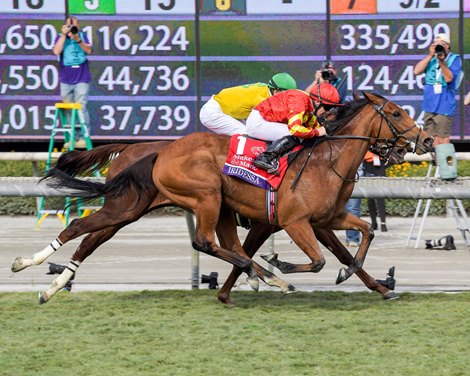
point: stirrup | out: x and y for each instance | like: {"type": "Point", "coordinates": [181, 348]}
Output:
{"type": "Point", "coordinates": [272, 169]}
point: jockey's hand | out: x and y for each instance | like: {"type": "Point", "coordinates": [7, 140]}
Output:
{"type": "Point", "coordinates": [321, 131]}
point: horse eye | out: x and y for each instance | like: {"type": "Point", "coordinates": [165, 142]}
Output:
{"type": "Point", "coordinates": [396, 114]}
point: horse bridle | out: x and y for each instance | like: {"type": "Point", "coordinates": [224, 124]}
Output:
{"type": "Point", "coordinates": [390, 143]}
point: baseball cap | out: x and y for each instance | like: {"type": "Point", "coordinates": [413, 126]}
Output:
{"type": "Point", "coordinates": [444, 37]}
{"type": "Point", "coordinates": [328, 64]}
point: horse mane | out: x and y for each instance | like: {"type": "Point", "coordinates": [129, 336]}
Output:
{"type": "Point", "coordinates": [344, 114]}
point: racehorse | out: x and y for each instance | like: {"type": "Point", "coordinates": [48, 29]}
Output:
{"type": "Point", "coordinates": [198, 186]}
{"type": "Point", "coordinates": [125, 155]}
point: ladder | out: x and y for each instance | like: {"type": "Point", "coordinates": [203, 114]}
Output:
{"type": "Point", "coordinates": [454, 206]}
{"type": "Point", "coordinates": [68, 119]}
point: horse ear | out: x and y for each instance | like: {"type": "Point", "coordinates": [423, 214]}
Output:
{"type": "Point", "coordinates": [366, 96]}
{"type": "Point", "coordinates": [356, 95]}
{"type": "Point", "coordinates": [371, 98]}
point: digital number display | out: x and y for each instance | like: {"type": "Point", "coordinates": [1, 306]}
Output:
{"type": "Point", "coordinates": [155, 62]}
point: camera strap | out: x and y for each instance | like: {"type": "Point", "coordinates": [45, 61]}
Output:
{"type": "Point", "coordinates": [439, 80]}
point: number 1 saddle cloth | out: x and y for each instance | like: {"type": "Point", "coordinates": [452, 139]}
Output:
{"type": "Point", "coordinates": [243, 151]}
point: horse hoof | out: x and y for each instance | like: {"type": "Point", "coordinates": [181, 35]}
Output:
{"type": "Point", "coordinates": [391, 295]}
{"type": "Point", "coordinates": [269, 257]}
{"type": "Point", "coordinates": [225, 300]}
{"type": "Point", "coordinates": [290, 289]}
{"type": "Point", "coordinates": [342, 276]}
{"type": "Point", "coordinates": [18, 264]}
{"type": "Point", "coordinates": [43, 298]}
{"type": "Point", "coordinates": [253, 282]}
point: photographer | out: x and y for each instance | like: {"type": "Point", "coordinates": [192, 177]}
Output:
{"type": "Point", "coordinates": [442, 70]}
{"type": "Point", "coordinates": [72, 47]}
{"type": "Point", "coordinates": [328, 73]}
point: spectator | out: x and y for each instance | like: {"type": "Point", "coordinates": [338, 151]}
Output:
{"type": "Point", "coordinates": [443, 73]}
{"type": "Point", "coordinates": [374, 166]}
{"type": "Point", "coordinates": [328, 73]}
{"type": "Point", "coordinates": [72, 47]}
{"type": "Point", "coordinates": [353, 206]}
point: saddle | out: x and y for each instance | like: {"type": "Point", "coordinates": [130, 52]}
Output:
{"type": "Point", "coordinates": [239, 163]}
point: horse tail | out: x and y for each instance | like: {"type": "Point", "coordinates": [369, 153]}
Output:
{"type": "Point", "coordinates": [137, 177]}
{"type": "Point", "coordinates": [87, 162]}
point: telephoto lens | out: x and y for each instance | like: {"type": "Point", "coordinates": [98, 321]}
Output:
{"type": "Point", "coordinates": [326, 74]}
{"type": "Point", "coordinates": [73, 29]}
{"type": "Point", "coordinates": [440, 49]}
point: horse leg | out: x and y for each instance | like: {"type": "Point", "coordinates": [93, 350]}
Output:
{"type": "Point", "coordinates": [228, 239]}
{"type": "Point", "coordinates": [255, 238]}
{"type": "Point", "coordinates": [302, 234]}
{"type": "Point", "coordinates": [207, 217]}
{"type": "Point", "coordinates": [330, 240]}
{"type": "Point", "coordinates": [110, 214]}
{"type": "Point", "coordinates": [20, 263]}
{"type": "Point", "coordinates": [88, 245]}
{"type": "Point", "coordinates": [347, 221]}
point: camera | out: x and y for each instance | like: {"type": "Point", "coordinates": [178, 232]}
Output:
{"type": "Point", "coordinates": [58, 269]}
{"type": "Point", "coordinates": [326, 75]}
{"type": "Point", "coordinates": [440, 49]}
{"type": "Point", "coordinates": [73, 29]}
{"type": "Point", "coordinates": [211, 280]}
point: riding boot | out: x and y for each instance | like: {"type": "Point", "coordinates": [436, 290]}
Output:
{"type": "Point", "coordinates": [269, 160]}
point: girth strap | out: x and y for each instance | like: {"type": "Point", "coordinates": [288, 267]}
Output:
{"type": "Point", "coordinates": [271, 197]}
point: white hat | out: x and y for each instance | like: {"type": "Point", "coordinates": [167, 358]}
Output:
{"type": "Point", "coordinates": [444, 37]}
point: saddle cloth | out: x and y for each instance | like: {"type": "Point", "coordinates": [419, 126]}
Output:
{"type": "Point", "coordinates": [242, 152]}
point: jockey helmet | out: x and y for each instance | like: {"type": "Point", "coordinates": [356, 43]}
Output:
{"type": "Point", "coordinates": [282, 81]}
{"type": "Point", "coordinates": [325, 93]}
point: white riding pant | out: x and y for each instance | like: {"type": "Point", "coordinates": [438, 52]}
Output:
{"type": "Point", "coordinates": [213, 118]}
{"type": "Point", "coordinates": [262, 129]}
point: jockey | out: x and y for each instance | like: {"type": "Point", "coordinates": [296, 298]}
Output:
{"type": "Point", "coordinates": [224, 112]}
{"type": "Point", "coordinates": [287, 117]}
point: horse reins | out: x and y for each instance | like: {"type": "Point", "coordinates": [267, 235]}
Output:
{"type": "Point", "coordinates": [390, 142]}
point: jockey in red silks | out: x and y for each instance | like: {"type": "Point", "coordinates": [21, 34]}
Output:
{"type": "Point", "coordinates": [287, 117]}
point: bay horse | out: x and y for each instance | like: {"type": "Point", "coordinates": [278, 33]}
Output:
{"type": "Point", "coordinates": [200, 187]}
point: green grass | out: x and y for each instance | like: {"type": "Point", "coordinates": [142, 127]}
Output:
{"type": "Point", "coordinates": [190, 333]}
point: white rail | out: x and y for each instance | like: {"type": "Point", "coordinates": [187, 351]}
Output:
{"type": "Point", "coordinates": [377, 187]}
{"type": "Point", "coordinates": [42, 156]}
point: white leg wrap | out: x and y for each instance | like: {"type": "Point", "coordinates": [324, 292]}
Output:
{"type": "Point", "coordinates": [59, 282]}
{"type": "Point", "coordinates": [38, 258]}
{"type": "Point", "coordinates": [21, 263]}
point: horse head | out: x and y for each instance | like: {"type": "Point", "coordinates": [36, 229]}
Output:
{"type": "Point", "coordinates": [401, 131]}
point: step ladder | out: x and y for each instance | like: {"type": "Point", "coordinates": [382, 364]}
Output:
{"type": "Point", "coordinates": [68, 119]}
{"type": "Point", "coordinates": [454, 207]}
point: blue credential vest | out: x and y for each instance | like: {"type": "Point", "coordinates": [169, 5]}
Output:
{"type": "Point", "coordinates": [443, 103]}
{"type": "Point", "coordinates": [72, 54]}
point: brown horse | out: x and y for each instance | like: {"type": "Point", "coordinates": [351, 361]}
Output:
{"type": "Point", "coordinates": [198, 186]}
{"type": "Point", "coordinates": [80, 162]}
